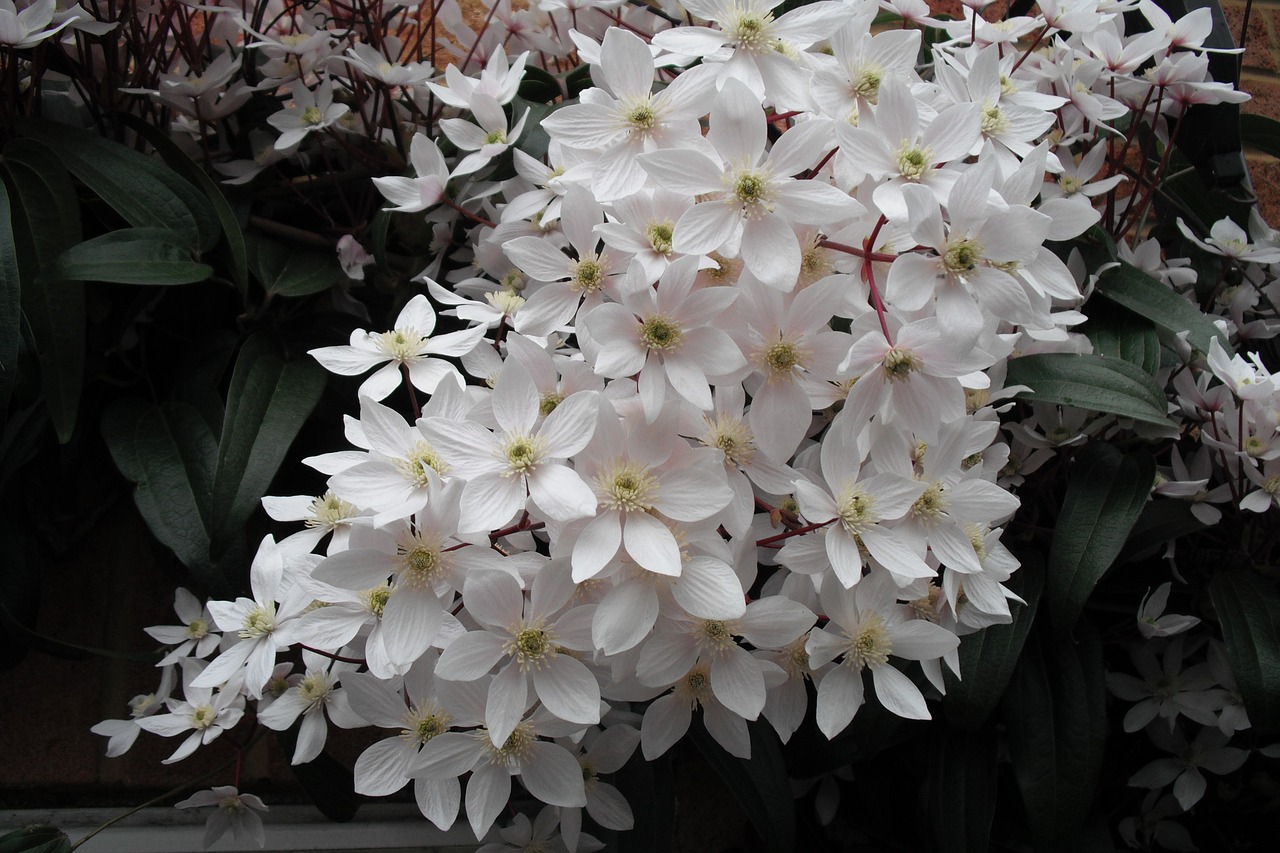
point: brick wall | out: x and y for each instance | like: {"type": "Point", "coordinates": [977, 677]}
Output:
{"type": "Point", "coordinates": [1261, 78]}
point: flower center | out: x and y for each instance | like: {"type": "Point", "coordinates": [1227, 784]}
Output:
{"type": "Point", "coordinates": [753, 190]}
{"type": "Point", "coordinates": [588, 275]}
{"type": "Point", "coordinates": [531, 647]}
{"type": "Point", "coordinates": [661, 333]}
{"type": "Point", "coordinates": [312, 116]}
{"type": "Point", "coordinates": [659, 234]}
{"type": "Point", "coordinates": [376, 599]}
{"type": "Point", "coordinates": [641, 116]}
{"type": "Point", "coordinates": [314, 688]}
{"type": "Point", "coordinates": [962, 256]}
{"type": "Point", "coordinates": [505, 301]}
{"type": "Point", "coordinates": [854, 510]}
{"type": "Point", "coordinates": [421, 562]}
{"type": "Point", "coordinates": [495, 137]}
{"type": "Point", "coordinates": [328, 511]}
{"type": "Point", "coordinates": [522, 454]}
{"type": "Point", "coordinates": [260, 622]}
{"type": "Point", "coordinates": [401, 344]}
{"type": "Point", "coordinates": [197, 629]}
{"type": "Point", "coordinates": [930, 504]}
{"type": "Point", "coordinates": [716, 634]}
{"type": "Point", "coordinates": [416, 462]}
{"type": "Point", "coordinates": [425, 722]}
{"type": "Point", "coordinates": [730, 435]}
{"type": "Point", "coordinates": [912, 162]}
{"type": "Point", "coordinates": [870, 645]}
{"type": "Point", "coordinates": [548, 403]}
{"type": "Point", "coordinates": [696, 685]}
{"type": "Point", "coordinates": [628, 487]}
{"type": "Point", "coordinates": [994, 121]}
{"type": "Point", "coordinates": [781, 358]}
{"type": "Point", "coordinates": [899, 364]}
{"type": "Point", "coordinates": [202, 716]}
{"type": "Point", "coordinates": [514, 749]}
{"type": "Point", "coordinates": [867, 83]}
{"type": "Point", "coordinates": [749, 29]}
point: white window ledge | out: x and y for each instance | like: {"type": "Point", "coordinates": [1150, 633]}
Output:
{"type": "Point", "coordinates": [376, 828]}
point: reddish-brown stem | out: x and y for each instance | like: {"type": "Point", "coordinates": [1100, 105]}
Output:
{"type": "Point", "coordinates": [474, 217]}
{"type": "Point", "coordinates": [768, 541]}
{"type": "Point", "coordinates": [1030, 48]}
{"type": "Point", "coordinates": [881, 257]}
{"type": "Point", "coordinates": [332, 656]}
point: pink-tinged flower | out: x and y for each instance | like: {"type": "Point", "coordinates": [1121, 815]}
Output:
{"type": "Point", "coordinates": [487, 140]}
{"type": "Point", "coordinates": [195, 637]}
{"type": "Point", "coordinates": [639, 471]}
{"type": "Point", "coordinates": [894, 152]}
{"type": "Point", "coordinates": [547, 770]}
{"type": "Point", "coordinates": [623, 118]}
{"type": "Point", "coordinates": [203, 714]}
{"type": "Point", "coordinates": [530, 639]}
{"type": "Point", "coordinates": [426, 188]}
{"type": "Point", "coordinates": [573, 281]}
{"type": "Point", "coordinates": [422, 707]}
{"type": "Point", "coordinates": [311, 111]}
{"type": "Point", "coordinates": [667, 335]}
{"type": "Point", "coordinates": [315, 696]}
{"type": "Point", "coordinates": [259, 624]}
{"type": "Point", "coordinates": [523, 460]}
{"type": "Point", "coordinates": [867, 627]}
{"type": "Point", "coordinates": [235, 811]}
{"type": "Point", "coordinates": [755, 203]}
{"type": "Point", "coordinates": [408, 345]}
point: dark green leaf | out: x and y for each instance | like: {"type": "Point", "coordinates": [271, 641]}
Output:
{"type": "Point", "coordinates": [1147, 297]}
{"type": "Point", "coordinates": [1161, 522]}
{"type": "Point", "coordinates": [37, 838]}
{"type": "Point", "coordinates": [381, 225]}
{"type": "Point", "coordinates": [1106, 492]}
{"type": "Point", "coordinates": [988, 657]}
{"type": "Point", "coordinates": [143, 191]}
{"type": "Point", "coordinates": [329, 784]}
{"type": "Point", "coordinates": [290, 271]}
{"type": "Point", "coordinates": [1117, 332]}
{"type": "Point", "coordinates": [1248, 609]}
{"type": "Point", "coordinates": [267, 404]}
{"type": "Point", "coordinates": [130, 256]}
{"type": "Point", "coordinates": [809, 753]}
{"type": "Point", "coordinates": [962, 789]}
{"type": "Point", "coordinates": [578, 80]}
{"type": "Point", "coordinates": [760, 784]}
{"type": "Point", "coordinates": [177, 160]}
{"type": "Point", "coordinates": [55, 310]}
{"type": "Point", "coordinates": [1092, 382]}
{"type": "Point", "coordinates": [1056, 723]}
{"type": "Point", "coordinates": [10, 303]}
{"type": "Point", "coordinates": [172, 459]}
{"type": "Point", "coordinates": [539, 86]}
{"type": "Point", "coordinates": [534, 140]}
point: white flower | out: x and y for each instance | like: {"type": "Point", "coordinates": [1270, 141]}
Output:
{"type": "Point", "coordinates": [1152, 621]}
{"type": "Point", "coordinates": [195, 637]}
{"type": "Point", "coordinates": [236, 811]}
{"type": "Point", "coordinates": [314, 696]}
{"type": "Point", "coordinates": [311, 111]}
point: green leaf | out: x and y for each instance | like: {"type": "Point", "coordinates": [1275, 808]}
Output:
{"type": "Point", "coordinates": [1249, 611]}
{"type": "Point", "coordinates": [962, 789]}
{"type": "Point", "coordinates": [1140, 293]}
{"type": "Point", "coordinates": [534, 140]}
{"type": "Point", "coordinates": [1161, 522]}
{"type": "Point", "coordinates": [1056, 724]}
{"type": "Point", "coordinates": [143, 191]}
{"type": "Point", "coordinates": [988, 657]}
{"type": "Point", "coordinates": [177, 160]}
{"type": "Point", "coordinates": [171, 455]}
{"type": "Point", "coordinates": [267, 404]}
{"type": "Point", "coordinates": [1090, 382]}
{"type": "Point", "coordinates": [539, 86]}
{"type": "Point", "coordinates": [578, 80]}
{"type": "Point", "coordinates": [289, 271]}
{"type": "Point", "coordinates": [760, 784]}
{"type": "Point", "coordinates": [1117, 332]}
{"type": "Point", "coordinates": [37, 838]}
{"type": "Point", "coordinates": [10, 304]}
{"type": "Point", "coordinates": [329, 784]}
{"type": "Point", "coordinates": [381, 225]}
{"type": "Point", "coordinates": [1106, 492]}
{"type": "Point", "coordinates": [55, 310]}
{"type": "Point", "coordinates": [130, 256]}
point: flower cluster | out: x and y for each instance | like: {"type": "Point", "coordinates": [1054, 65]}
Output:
{"type": "Point", "coordinates": [722, 412]}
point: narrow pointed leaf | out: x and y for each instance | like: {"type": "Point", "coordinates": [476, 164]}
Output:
{"type": "Point", "coordinates": [1056, 724]}
{"type": "Point", "coordinates": [1106, 493]}
{"type": "Point", "coordinates": [988, 657]}
{"type": "Point", "coordinates": [130, 256]}
{"type": "Point", "coordinates": [1145, 296]}
{"type": "Point", "coordinates": [1092, 382]}
{"type": "Point", "coordinates": [1249, 611]}
{"type": "Point", "coordinates": [267, 404]}
{"type": "Point", "coordinates": [962, 789]}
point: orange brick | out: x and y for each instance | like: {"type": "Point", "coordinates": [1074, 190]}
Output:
{"type": "Point", "coordinates": [1261, 48]}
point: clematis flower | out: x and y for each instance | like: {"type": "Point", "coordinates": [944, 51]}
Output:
{"type": "Point", "coordinates": [235, 811]}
